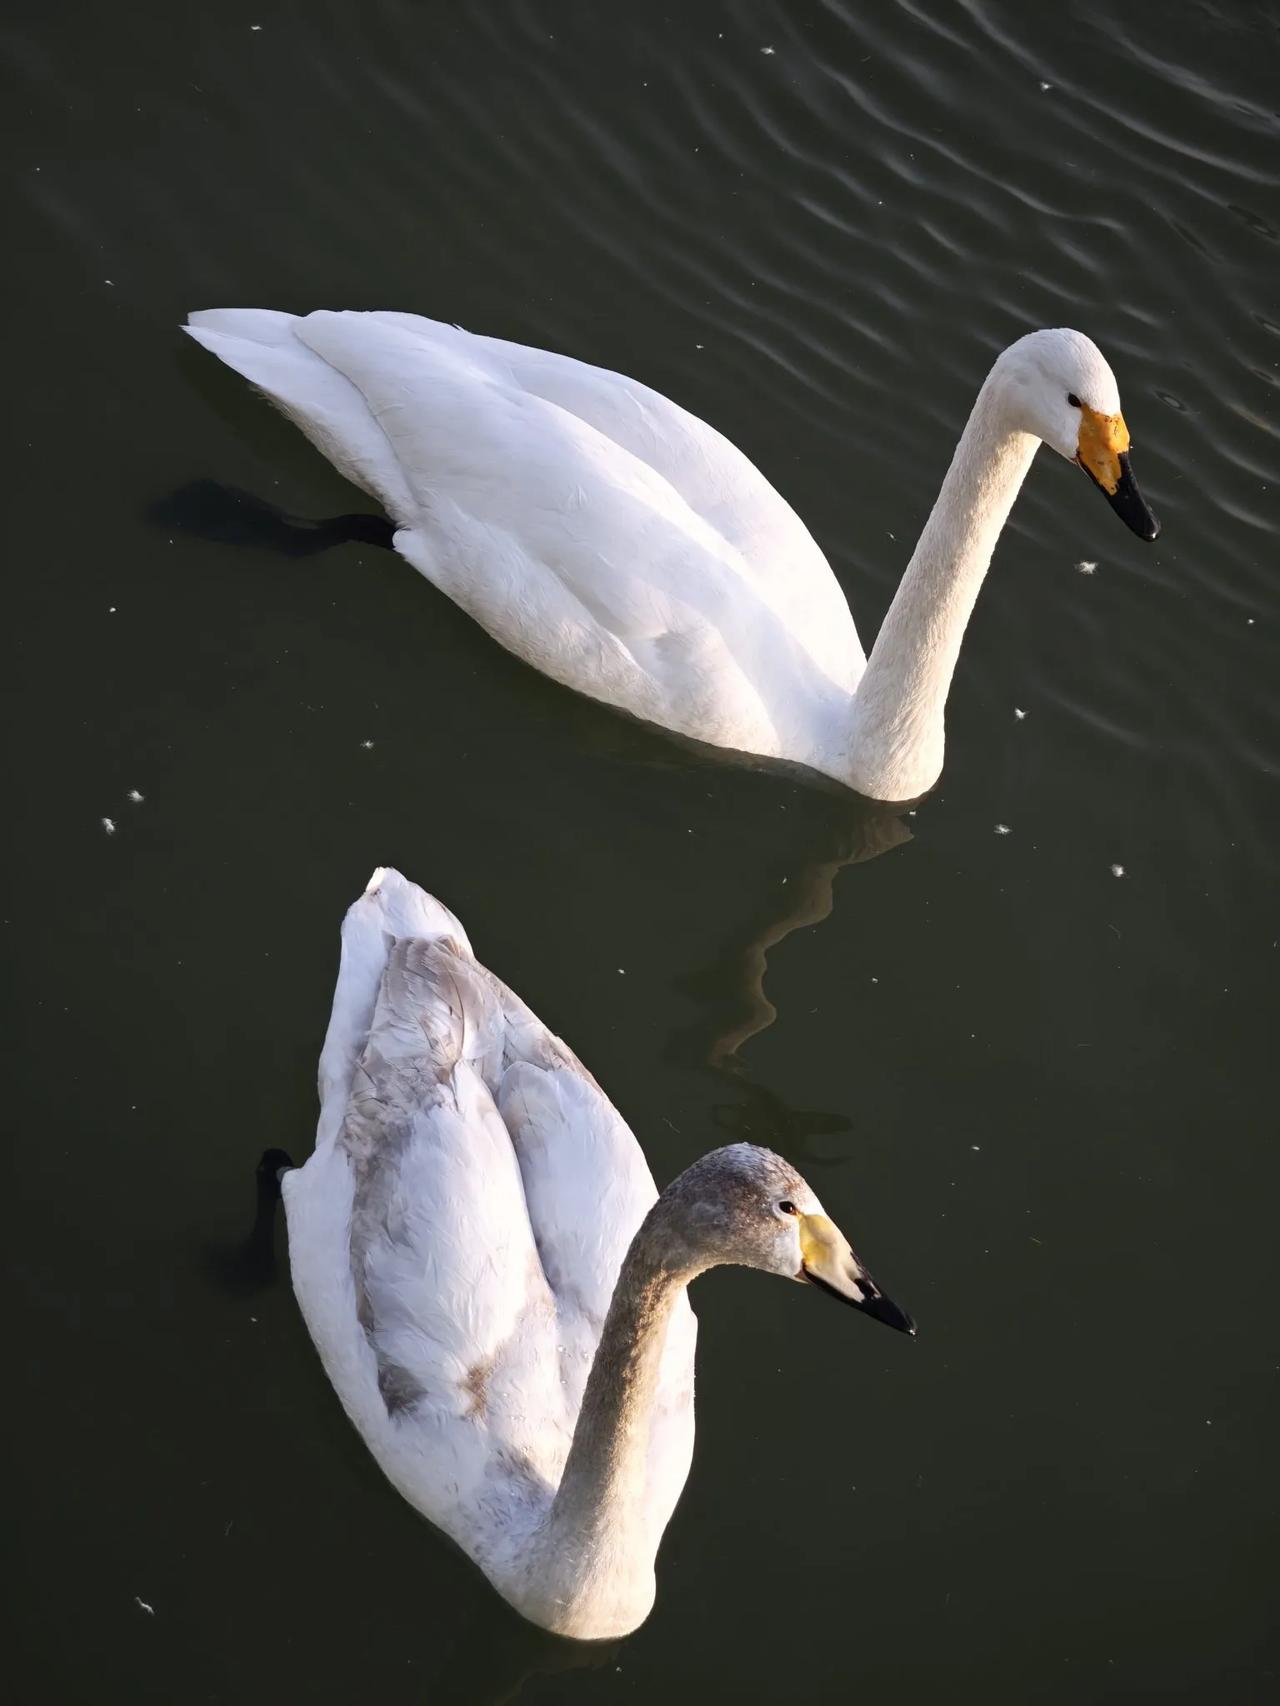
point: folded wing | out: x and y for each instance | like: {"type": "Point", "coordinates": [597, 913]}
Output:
{"type": "Point", "coordinates": [456, 1236]}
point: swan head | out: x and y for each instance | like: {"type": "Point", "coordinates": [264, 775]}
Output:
{"type": "Point", "coordinates": [747, 1206]}
{"type": "Point", "coordinates": [1057, 386]}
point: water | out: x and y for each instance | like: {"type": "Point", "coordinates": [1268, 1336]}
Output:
{"type": "Point", "coordinates": [1039, 1095]}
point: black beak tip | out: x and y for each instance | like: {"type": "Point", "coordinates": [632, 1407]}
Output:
{"type": "Point", "coordinates": [1143, 524]}
{"type": "Point", "coordinates": [1129, 503]}
{"type": "Point", "coordinates": [870, 1302]}
{"type": "Point", "coordinates": [883, 1309]}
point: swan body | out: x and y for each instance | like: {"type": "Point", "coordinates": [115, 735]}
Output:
{"type": "Point", "coordinates": [496, 1290]}
{"type": "Point", "coordinates": [628, 550]}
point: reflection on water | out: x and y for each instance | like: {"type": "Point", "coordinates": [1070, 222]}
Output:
{"type": "Point", "coordinates": [496, 1670]}
{"type": "Point", "coordinates": [796, 894]}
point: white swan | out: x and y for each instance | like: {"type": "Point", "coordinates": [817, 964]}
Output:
{"type": "Point", "coordinates": [625, 548]}
{"type": "Point", "coordinates": [495, 1287]}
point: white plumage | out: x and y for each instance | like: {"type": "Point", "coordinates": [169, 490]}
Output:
{"type": "Point", "coordinates": [628, 550]}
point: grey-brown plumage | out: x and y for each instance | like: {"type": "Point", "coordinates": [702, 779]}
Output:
{"type": "Point", "coordinates": [497, 1290]}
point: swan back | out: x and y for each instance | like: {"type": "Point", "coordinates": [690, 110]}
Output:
{"type": "Point", "coordinates": [595, 528]}
{"type": "Point", "coordinates": [456, 1235]}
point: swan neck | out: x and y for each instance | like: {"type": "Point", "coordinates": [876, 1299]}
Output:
{"type": "Point", "coordinates": [897, 747]}
{"type": "Point", "coordinates": [597, 1540]}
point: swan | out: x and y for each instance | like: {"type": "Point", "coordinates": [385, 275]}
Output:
{"type": "Point", "coordinates": [623, 547]}
{"type": "Point", "coordinates": [494, 1285]}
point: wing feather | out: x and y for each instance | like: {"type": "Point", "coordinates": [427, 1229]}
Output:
{"type": "Point", "coordinates": [456, 1241]}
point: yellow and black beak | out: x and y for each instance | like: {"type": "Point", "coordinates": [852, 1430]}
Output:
{"type": "Point", "coordinates": [829, 1263]}
{"type": "Point", "coordinates": [1103, 452]}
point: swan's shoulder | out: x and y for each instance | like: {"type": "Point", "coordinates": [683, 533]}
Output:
{"type": "Point", "coordinates": [718, 482]}
{"type": "Point", "coordinates": [710, 473]}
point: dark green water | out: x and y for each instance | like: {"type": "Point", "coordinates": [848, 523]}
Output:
{"type": "Point", "coordinates": [1039, 1096]}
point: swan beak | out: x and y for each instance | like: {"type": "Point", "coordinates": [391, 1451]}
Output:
{"type": "Point", "coordinates": [1103, 452]}
{"type": "Point", "coordinates": [827, 1261]}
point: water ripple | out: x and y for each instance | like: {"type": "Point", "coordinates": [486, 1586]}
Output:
{"type": "Point", "coordinates": [820, 248]}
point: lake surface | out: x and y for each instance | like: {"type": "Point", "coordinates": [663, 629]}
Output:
{"type": "Point", "coordinates": [1032, 1073]}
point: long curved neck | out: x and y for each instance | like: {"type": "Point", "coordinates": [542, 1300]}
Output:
{"type": "Point", "coordinates": [897, 741]}
{"type": "Point", "coordinates": [596, 1547]}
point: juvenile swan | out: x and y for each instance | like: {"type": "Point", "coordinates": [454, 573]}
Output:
{"type": "Point", "coordinates": [495, 1287]}
{"type": "Point", "coordinates": [626, 549]}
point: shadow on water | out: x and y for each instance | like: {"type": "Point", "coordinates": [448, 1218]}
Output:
{"type": "Point", "coordinates": [249, 1265]}
{"type": "Point", "coordinates": [225, 515]}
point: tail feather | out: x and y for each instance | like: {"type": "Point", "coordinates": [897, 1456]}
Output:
{"type": "Point", "coordinates": [261, 344]}
{"type": "Point", "coordinates": [390, 909]}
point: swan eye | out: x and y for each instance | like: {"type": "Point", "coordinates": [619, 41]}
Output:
{"type": "Point", "coordinates": [1073, 399]}
{"type": "Point", "coordinates": [787, 1208]}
